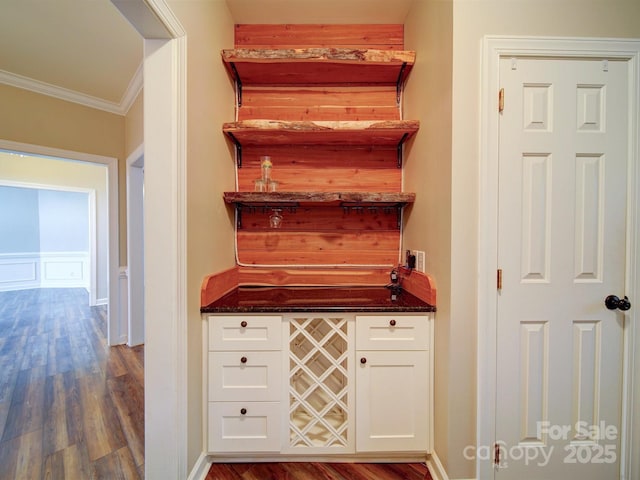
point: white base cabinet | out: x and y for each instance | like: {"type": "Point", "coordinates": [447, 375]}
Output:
{"type": "Point", "coordinates": [317, 384]}
{"type": "Point", "coordinates": [393, 383]}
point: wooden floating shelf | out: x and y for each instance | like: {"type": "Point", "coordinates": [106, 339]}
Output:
{"type": "Point", "coordinates": [315, 66]}
{"type": "Point", "coordinates": [388, 133]}
{"type": "Point", "coordinates": [360, 202]}
{"type": "Point", "coordinates": [307, 199]}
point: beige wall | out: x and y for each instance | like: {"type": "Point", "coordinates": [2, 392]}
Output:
{"type": "Point", "coordinates": [210, 171]}
{"type": "Point", "coordinates": [133, 138]}
{"type": "Point", "coordinates": [134, 126]}
{"type": "Point", "coordinates": [36, 119]}
{"type": "Point", "coordinates": [428, 30]}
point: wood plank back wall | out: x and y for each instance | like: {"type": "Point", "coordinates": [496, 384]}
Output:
{"type": "Point", "coordinates": [321, 236]}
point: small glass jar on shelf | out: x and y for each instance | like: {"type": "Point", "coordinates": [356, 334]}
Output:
{"type": "Point", "coordinates": [265, 168]}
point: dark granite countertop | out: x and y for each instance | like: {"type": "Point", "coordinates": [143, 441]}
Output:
{"type": "Point", "coordinates": [317, 299]}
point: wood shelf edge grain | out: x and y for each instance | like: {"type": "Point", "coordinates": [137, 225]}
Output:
{"type": "Point", "coordinates": [375, 126]}
{"type": "Point", "coordinates": [355, 56]}
{"type": "Point", "coordinates": [318, 66]}
{"type": "Point", "coordinates": [346, 199]}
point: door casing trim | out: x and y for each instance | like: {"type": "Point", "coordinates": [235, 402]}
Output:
{"type": "Point", "coordinates": [135, 239]}
{"type": "Point", "coordinates": [493, 49]}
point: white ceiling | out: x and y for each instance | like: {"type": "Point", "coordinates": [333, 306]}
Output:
{"type": "Point", "coordinates": [86, 51]}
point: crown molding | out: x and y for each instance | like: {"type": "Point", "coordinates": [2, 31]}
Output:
{"type": "Point", "coordinates": [61, 93]}
{"type": "Point", "coordinates": [133, 89]}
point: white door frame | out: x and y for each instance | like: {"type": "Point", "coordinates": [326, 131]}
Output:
{"type": "Point", "coordinates": [167, 431]}
{"type": "Point", "coordinates": [135, 247]}
{"type": "Point", "coordinates": [114, 328]}
{"type": "Point", "coordinates": [165, 254]}
{"type": "Point", "coordinates": [495, 48]}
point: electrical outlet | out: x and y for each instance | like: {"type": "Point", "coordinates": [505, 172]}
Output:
{"type": "Point", "coordinates": [420, 260]}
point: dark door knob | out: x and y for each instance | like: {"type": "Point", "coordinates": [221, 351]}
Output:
{"type": "Point", "coordinates": [612, 302]}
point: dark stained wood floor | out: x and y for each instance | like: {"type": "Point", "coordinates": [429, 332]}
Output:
{"type": "Point", "coordinates": [70, 406]}
{"type": "Point", "coordinates": [318, 471]}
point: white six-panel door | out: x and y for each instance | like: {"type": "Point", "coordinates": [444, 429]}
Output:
{"type": "Point", "coordinates": [563, 153]}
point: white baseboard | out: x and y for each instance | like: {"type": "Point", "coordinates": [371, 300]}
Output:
{"type": "Point", "coordinates": [435, 467]}
{"type": "Point", "coordinates": [201, 468]}
{"type": "Point", "coordinates": [437, 471]}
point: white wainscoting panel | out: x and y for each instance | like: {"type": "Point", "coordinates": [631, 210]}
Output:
{"type": "Point", "coordinates": [20, 271]}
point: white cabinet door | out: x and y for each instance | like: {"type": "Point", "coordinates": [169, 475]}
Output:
{"type": "Point", "coordinates": [392, 401]}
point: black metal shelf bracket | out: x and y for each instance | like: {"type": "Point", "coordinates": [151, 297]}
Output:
{"type": "Point", "coordinates": [238, 146]}
{"type": "Point", "coordinates": [399, 83]}
{"type": "Point", "coordinates": [238, 83]}
{"type": "Point", "coordinates": [239, 216]}
{"type": "Point", "coordinates": [400, 152]}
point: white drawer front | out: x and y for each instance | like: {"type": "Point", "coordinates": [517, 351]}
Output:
{"type": "Point", "coordinates": [245, 332]}
{"type": "Point", "coordinates": [244, 427]}
{"type": "Point", "coordinates": [392, 332]}
{"type": "Point", "coordinates": [247, 375]}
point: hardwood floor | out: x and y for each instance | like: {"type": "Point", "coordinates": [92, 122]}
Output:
{"type": "Point", "coordinates": [318, 471]}
{"type": "Point", "coordinates": [70, 407]}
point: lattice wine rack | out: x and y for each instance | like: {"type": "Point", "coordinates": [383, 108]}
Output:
{"type": "Point", "coordinates": [319, 390]}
